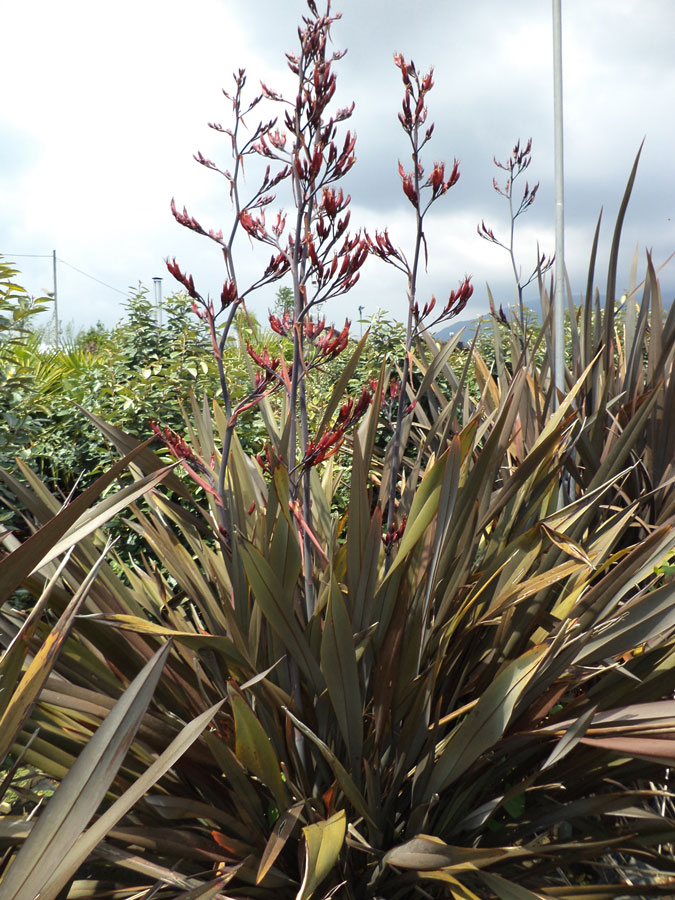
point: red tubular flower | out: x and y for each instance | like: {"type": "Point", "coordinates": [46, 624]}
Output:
{"type": "Point", "coordinates": [313, 329]}
{"type": "Point", "coordinates": [281, 325]}
{"type": "Point", "coordinates": [362, 404]}
{"type": "Point", "coordinates": [408, 187]}
{"type": "Point", "coordinates": [428, 307]}
{"type": "Point", "coordinates": [459, 298]}
{"type": "Point", "coordinates": [311, 249]}
{"type": "Point", "coordinates": [436, 179]}
{"type": "Point", "coordinates": [437, 182]}
{"type": "Point", "coordinates": [277, 139]}
{"type": "Point", "coordinates": [321, 450]}
{"type": "Point", "coordinates": [174, 442]}
{"type": "Point", "coordinates": [185, 280]}
{"type": "Point", "coordinates": [228, 294]}
{"type": "Point", "coordinates": [315, 166]}
{"type": "Point", "coordinates": [253, 226]}
{"type": "Point", "coordinates": [186, 220]}
{"type": "Point", "coordinates": [278, 265]}
{"type": "Point", "coordinates": [403, 66]}
{"type": "Point", "coordinates": [330, 345]}
{"type": "Point", "coordinates": [279, 225]}
{"type": "Point", "coordinates": [454, 175]}
{"type": "Point", "coordinates": [342, 224]}
{"type": "Point", "coordinates": [264, 360]}
{"type": "Point", "coordinates": [394, 535]}
{"type": "Point", "coordinates": [345, 411]}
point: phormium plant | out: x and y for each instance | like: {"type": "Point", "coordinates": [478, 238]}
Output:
{"type": "Point", "coordinates": [284, 701]}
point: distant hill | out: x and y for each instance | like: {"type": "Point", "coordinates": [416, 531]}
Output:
{"type": "Point", "coordinates": [444, 334]}
{"type": "Point", "coordinates": [533, 309]}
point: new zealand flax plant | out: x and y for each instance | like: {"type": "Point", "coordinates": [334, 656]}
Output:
{"type": "Point", "coordinates": [468, 697]}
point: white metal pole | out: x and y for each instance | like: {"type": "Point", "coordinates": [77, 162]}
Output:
{"type": "Point", "coordinates": [158, 299]}
{"type": "Point", "coordinates": [559, 298]}
{"type": "Point", "coordinates": [56, 302]}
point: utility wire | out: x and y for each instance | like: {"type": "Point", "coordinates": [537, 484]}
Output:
{"type": "Point", "coordinates": [93, 278]}
{"type": "Point", "coordinates": [26, 255]}
{"type": "Point", "coordinates": [63, 262]}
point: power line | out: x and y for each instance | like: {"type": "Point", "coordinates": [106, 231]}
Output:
{"type": "Point", "coordinates": [26, 255]}
{"type": "Point", "coordinates": [93, 277]}
{"type": "Point", "coordinates": [63, 261]}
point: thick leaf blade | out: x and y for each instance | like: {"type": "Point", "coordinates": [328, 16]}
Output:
{"type": "Point", "coordinates": [323, 843]}
{"type": "Point", "coordinates": [338, 664]}
{"type": "Point", "coordinates": [486, 723]}
{"type": "Point", "coordinates": [91, 838]}
{"type": "Point", "coordinates": [254, 750]}
{"type": "Point", "coordinates": [76, 800]}
{"type": "Point", "coordinates": [19, 564]}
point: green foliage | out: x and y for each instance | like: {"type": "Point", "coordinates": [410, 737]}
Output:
{"type": "Point", "coordinates": [18, 379]}
{"type": "Point", "coordinates": [283, 302]}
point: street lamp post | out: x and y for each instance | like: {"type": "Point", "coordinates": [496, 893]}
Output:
{"type": "Point", "coordinates": [559, 295]}
{"type": "Point", "coordinates": [158, 299]}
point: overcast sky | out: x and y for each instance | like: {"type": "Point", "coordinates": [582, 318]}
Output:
{"type": "Point", "coordinates": [104, 104]}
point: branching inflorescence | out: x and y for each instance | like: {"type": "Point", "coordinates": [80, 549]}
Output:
{"type": "Point", "coordinates": [310, 243]}
{"type": "Point", "coordinates": [422, 193]}
{"type": "Point", "coordinates": [517, 163]}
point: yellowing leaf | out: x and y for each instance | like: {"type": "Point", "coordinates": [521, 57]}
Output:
{"type": "Point", "coordinates": [323, 843]}
{"type": "Point", "coordinates": [566, 544]}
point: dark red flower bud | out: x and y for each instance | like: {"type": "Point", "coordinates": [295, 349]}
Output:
{"type": "Point", "coordinates": [185, 280]}
{"type": "Point", "coordinates": [186, 220]}
{"type": "Point", "coordinates": [228, 294]}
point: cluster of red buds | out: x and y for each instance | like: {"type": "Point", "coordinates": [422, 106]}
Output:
{"type": "Point", "coordinates": [517, 163]}
{"type": "Point", "coordinates": [197, 469]}
{"type": "Point", "coordinates": [454, 306]}
{"type": "Point", "coordinates": [341, 272]}
{"type": "Point", "coordinates": [277, 267]}
{"type": "Point", "coordinates": [174, 442]}
{"type": "Point", "coordinates": [266, 376]}
{"type": "Point", "coordinates": [186, 280]}
{"type": "Point", "coordinates": [253, 225]}
{"type": "Point", "coordinates": [394, 535]}
{"type": "Point", "coordinates": [437, 181]}
{"type": "Point", "coordinates": [186, 220]}
{"type": "Point", "coordinates": [330, 442]}
{"type": "Point", "coordinates": [519, 160]}
{"type": "Point", "coordinates": [414, 111]}
{"type": "Point", "coordinates": [412, 116]}
{"type": "Point", "coordinates": [266, 362]}
{"type": "Point", "coordinates": [383, 247]}
{"type": "Point", "coordinates": [284, 324]}
{"type": "Point", "coordinates": [264, 459]}
{"type": "Point", "coordinates": [328, 342]}
{"type": "Point", "coordinates": [331, 343]}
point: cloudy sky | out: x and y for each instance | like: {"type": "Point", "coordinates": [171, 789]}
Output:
{"type": "Point", "coordinates": [105, 104]}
